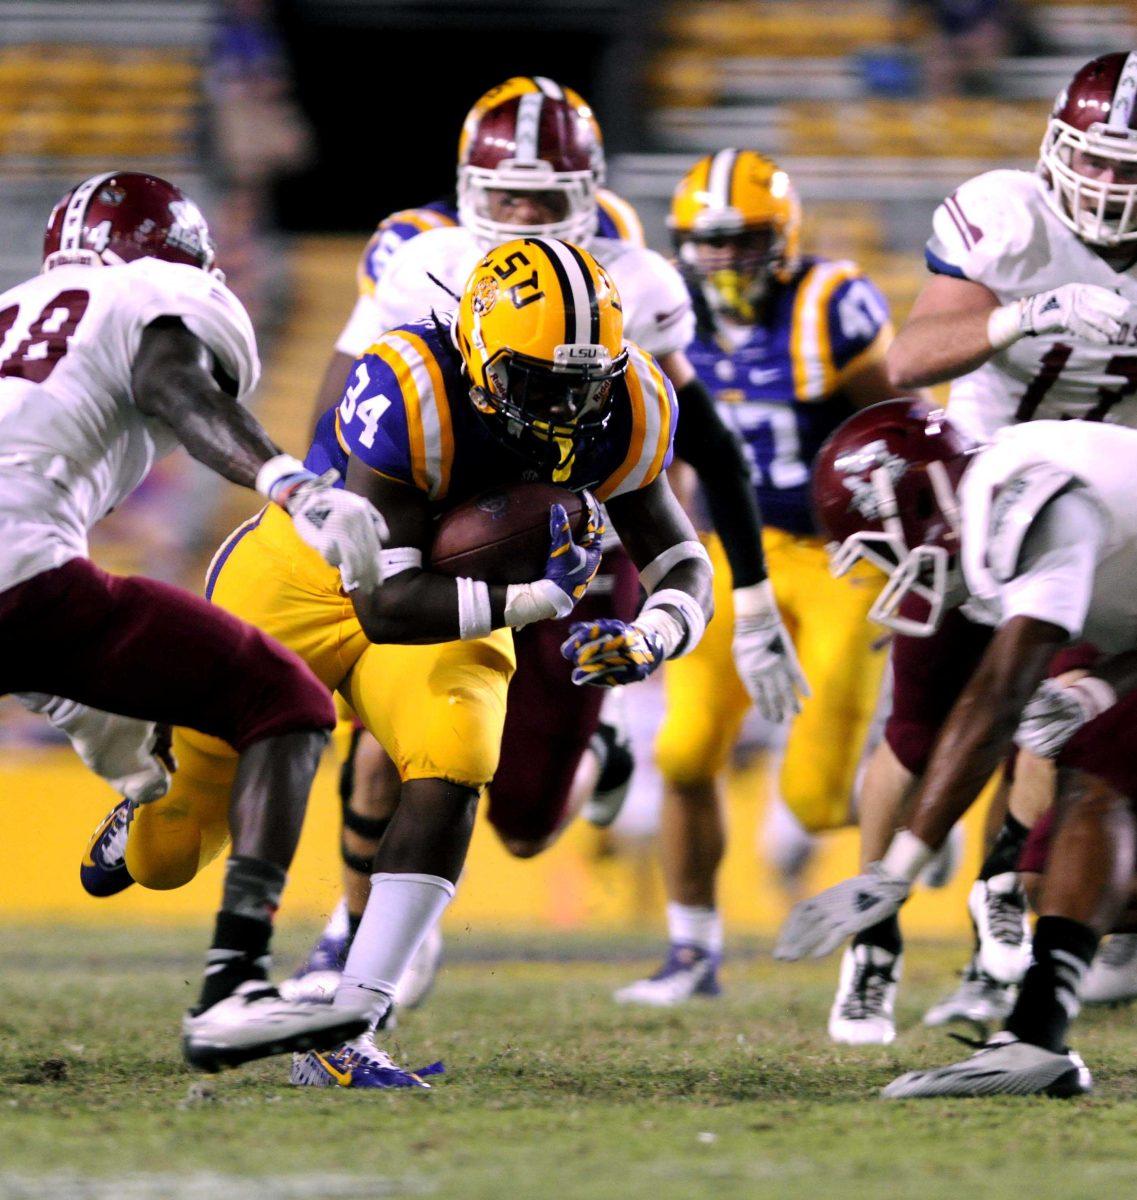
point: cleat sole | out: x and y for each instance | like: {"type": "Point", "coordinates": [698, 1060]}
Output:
{"type": "Point", "coordinates": [212, 1059]}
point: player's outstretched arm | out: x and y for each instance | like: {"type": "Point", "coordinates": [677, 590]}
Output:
{"type": "Point", "coordinates": [420, 606]}
{"type": "Point", "coordinates": [957, 324]}
{"type": "Point", "coordinates": [173, 381]}
{"type": "Point", "coordinates": [676, 574]}
{"type": "Point", "coordinates": [763, 649]}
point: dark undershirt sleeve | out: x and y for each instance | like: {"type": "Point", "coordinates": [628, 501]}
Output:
{"type": "Point", "coordinates": [714, 451]}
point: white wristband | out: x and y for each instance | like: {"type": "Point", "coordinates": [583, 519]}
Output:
{"type": "Point", "coordinates": [397, 559]}
{"type": "Point", "coordinates": [693, 618]}
{"type": "Point", "coordinates": [756, 601]}
{"type": "Point", "coordinates": [1004, 325]}
{"type": "Point", "coordinates": [670, 629]}
{"type": "Point", "coordinates": [276, 469]}
{"type": "Point", "coordinates": [906, 856]}
{"type": "Point", "coordinates": [474, 617]}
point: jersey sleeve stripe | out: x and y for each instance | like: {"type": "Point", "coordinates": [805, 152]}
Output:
{"type": "Point", "coordinates": [940, 266]}
{"type": "Point", "coordinates": [810, 348]}
{"type": "Point", "coordinates": [953, 210]}
{"type": "Point", "coordinates": [615, 482]}
{"type": "Point", "coordinates": [652, 413]}
{"type": "Point", "coordinates": [874, 352]}
{"type": "Point", "coordinates": [412, 405]}
{"type": "Point", "coordinates": [623, 216]}
{"type": "Point", "coordinates": [437, 425]}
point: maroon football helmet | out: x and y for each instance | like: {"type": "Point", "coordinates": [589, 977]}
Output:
{"type": "Point", "coordinates": [884, 489]}
{"type": "Point", "coordinates": [1092, 132]}
{"type": "Point", "coordinates": [529, 134]}
{"type": "Point", "coordinates": [123, 215]}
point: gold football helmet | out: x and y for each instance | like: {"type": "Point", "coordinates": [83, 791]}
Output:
{"type": "Point", "coordinates": [541, 332]}
{"type": "Point", "coordinates": [736, 222]}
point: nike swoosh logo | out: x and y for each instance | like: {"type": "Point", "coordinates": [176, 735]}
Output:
{"type": "Point", "coordinates": [343, 1078]}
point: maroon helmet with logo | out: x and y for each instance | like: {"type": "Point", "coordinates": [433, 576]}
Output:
{"type": "Point", "coordinates": [1088, 159]}
{"type": "Point", "coordinates": [120, 216]}
{"type": "Point", "coordinates": [884, 489]}
{"type": "Point", "coordinates": [529, 134]}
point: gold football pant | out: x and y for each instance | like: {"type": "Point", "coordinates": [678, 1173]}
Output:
{"type": "Point", "coordinates": [827, 619]}
{"type": "Point", "coordinates": [437, 710]}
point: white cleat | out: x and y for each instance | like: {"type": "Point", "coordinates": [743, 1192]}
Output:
{"type": "Point", "coordinates": [316, 987]}
{"type": "Point", "coordinates": [418, 979]}
{"type": "Point", "coordinates": [253, 1021]}
{"type": "Point", "coordinates": [866, 993]}
{"type": "Point", "coordinates": [998, 908]}
{"type": "Point", "coordinates": [688, 972]}
{"type": "Point", "coordinates": [1112, 977]}
{"type": "Point", "coordinates": [1003, 1067]}
{"type": "Point", "coordinates": [979, 999]}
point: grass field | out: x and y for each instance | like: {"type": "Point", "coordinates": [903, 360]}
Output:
{"type": "Point", "coordinates": [550, 1090]}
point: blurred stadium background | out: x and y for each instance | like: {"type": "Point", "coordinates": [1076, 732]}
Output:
{"type": "Point", "coordinates": [298, 124]}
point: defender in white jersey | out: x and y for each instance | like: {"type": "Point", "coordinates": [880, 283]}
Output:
{"type": "Point", "coordinates": [1035, 538]}
{"type": "Point", "coordinates": [1031, 312]}
{"type": "Point", "coordinates": [127, 345]}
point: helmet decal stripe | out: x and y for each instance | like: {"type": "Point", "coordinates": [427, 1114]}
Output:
{"type": "Point", "coordinates": [71, 233]}
{"type": "Point", "coordinates": [529, 108]}
{"type": "Point", "coordinates": [550, 87]}
{"type": "Point", "coordinates": [593, 300]}
{"type": "Point", "coordinates": [574, 290]}
{"type": "Point", "coordinates": [721, 176]}
{"type": "Point", "coordinates": [1124, 95]}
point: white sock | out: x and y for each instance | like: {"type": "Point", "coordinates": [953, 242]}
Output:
{"type": "Point", "coordinates": [695, 925]}
{"type": "Point", "coordinates": [400, 912]}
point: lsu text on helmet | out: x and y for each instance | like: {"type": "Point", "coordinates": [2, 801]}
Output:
{"type": "Point", "coordinates": [736, 223]}
{"type": "Point", "coordinates": [531, 140]}
{"type": "Point", "coordinates": [884, 489]}
{"type": "Point", "coordinates": [541, 333]}
{"type": "Point", "coordinates": [1088, 159]}
{"type": "Point", "coordinates": [119, 216]}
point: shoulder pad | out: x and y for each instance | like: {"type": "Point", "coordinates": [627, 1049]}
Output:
{"type": "Point", "coordinates": [1013, 511]}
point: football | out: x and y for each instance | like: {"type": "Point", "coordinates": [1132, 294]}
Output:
{"type": "Point", "coordinates": [503, 536]}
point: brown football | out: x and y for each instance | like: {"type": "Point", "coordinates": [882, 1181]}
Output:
{"type": "Point", "coordinates": [503, 536]}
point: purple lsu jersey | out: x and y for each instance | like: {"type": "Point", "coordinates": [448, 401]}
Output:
{"type": "Point", "coordinates": [616, 219]}
{"type": "Point", "coordinates": [780, 387]}
{"type": "Point", "coordinates": [406, 413]}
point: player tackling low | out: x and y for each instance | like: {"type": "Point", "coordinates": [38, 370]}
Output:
{"type": "Point", "coordinates": [127, 345]}
{"type": "Point", "coordinates": [1030, 311]}
{"type": "Point", "coordinates": [997, 557]}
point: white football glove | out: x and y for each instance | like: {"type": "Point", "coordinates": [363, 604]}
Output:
{"type": "Point", "coordinates": [345, 529]}
{"type": "Point", "coordinates": [122, 750]}
{"type": "Point", "coordinates": [764, 654]}
{"type": "Point", "coordinates": [1083, 310]}
{"type": "Point", "coordinates": [819, 925]}
{"type": "Point", "coordinates": [1057, 711]}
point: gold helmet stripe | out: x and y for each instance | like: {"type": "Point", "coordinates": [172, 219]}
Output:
{"type": "Point", "coordinates": [720, 178]}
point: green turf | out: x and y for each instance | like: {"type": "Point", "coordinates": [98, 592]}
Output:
{"type": "Point", "coordinates": [551, 1090]}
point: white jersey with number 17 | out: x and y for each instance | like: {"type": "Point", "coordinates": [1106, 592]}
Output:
{"type": "Point", "coordinates": [998, 230]}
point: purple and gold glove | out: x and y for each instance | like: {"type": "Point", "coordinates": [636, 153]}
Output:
{"type": "Point", "coordinates": [609, 653]}
{"type": "Point", "coordinates": [569, 569]}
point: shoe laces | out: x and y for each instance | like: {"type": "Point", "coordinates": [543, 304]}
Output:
{"type": "Point", "coordinates": [112, 847]}
{"type": "Point", "coordinates": [363, 1052]}
{"type": "Point", "coordinates": [1005, 915]}
{"type": "Point", "coordinates": [681, 958]}
{"type": "Point", "coordinates": [868, 992]}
